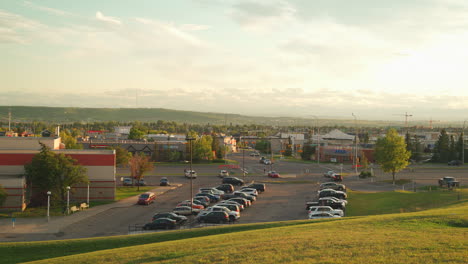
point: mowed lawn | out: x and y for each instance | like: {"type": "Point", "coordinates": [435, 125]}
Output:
{"type": "Point", "coordinates": [434, 236]}
{"type": "Point", "coordinates": [373, 203]}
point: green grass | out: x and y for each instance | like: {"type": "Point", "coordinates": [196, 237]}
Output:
{"type": "Point", "coordinates": [129, 191]}
{"type": "Point", "coordinates": [365, 203]}
{"type": "Point", "coordinates": [434, 236]}
{"type": "Point", "coordinates": [398, 181]}
{"type": "Point", "coordinates": [34, 212]}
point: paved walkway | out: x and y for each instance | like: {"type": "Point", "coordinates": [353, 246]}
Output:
{"type": "Point", "coordinates": [36, 226]}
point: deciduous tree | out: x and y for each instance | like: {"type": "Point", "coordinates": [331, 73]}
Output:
{"type": "Point", "coordinates": [3, 195]}
{"type": "Point", "coordinates": [391, 153]}
{"type": "Point", "coordinates": [139, 164]}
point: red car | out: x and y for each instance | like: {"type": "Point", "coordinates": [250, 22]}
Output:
{"type": "Point", "coordinates": [146, 198]}
{"type": "Point", "coordinates": [273, 174]}
{"type": "Point", "coordinates": [194, 206]}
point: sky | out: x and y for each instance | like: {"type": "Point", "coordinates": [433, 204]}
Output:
{"type": "Point", "coordinates": [377, 60]}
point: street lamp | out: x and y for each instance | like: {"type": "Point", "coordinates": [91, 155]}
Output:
{"type": "Point", "coordinates": [318, 140]}
{"type": "Point", "coordinates": [463, 143]}
{"type": "Point", "coordinates": [68, 200]}
{"type": "Point", "coordinates": [48, 205]}
{"type": "Point", "coordinates": [355, 144]}
{"type": "Point", "coordinates": [87, 197]}
{"type": "Point", "coordinates": [190, 139]}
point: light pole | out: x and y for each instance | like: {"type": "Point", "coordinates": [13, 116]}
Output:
{"type": "Point", "coordinates": [355, 144]}
{"type": "Point", "coordinates": [190, 139]}
{"type": "Point", "coordinates": [243, 161]}
{"type": "Point", "coordinates": [318, 140]}
{"type": "Point", "coordinates": [463, 143]}
{"type": "Point", "coordinates": [48, 205]}
{"type": "Point", "coordinates": [87, 197]}
{"type": "Point", "coordinates": [68, 200]}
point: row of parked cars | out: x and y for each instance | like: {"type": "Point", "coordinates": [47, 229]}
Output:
{"type": "Point", "coordinates": [220, 204]}
{"type": "Point", "coordinates": [331, 201]}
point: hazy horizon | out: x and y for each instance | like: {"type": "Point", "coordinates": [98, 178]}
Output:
{"type": "Point", "coordinates": [290, 58]}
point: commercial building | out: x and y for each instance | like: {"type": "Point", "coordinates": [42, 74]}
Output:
{"type": "Point", "coordinates": [15, 152]}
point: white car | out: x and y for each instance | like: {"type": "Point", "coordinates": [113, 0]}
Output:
{"type": "Point", "coordinates": [190, 174]}
{"type": "Point", "coordinates": [185, 210]}
{"type": "Point", "coordinates": [249, 191]}
{"type": "Point", "coordinates": [223, 173]}
{"type": "Point", "coordinates": [328, 209]}
{"type": "Point", "coordinates": [329, 174]}
{"type": "Point", "coordinates": [322, 215]}
{"type": "Point", "coordinates": [233, 215]}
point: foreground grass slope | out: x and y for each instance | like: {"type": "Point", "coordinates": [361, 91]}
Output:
{"type": "Point", "coordinates": [433, 236]}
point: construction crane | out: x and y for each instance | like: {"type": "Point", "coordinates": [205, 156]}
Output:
{"type": "Point", "coordinates": [406, 118]}
{"type": "Point", "coordinates": [432, 121]}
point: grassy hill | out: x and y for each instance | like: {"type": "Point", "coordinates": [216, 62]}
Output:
{"type": "Point", "coordinates": [75, 114]}
{"type": "Point", "coordinates": [430, 236]}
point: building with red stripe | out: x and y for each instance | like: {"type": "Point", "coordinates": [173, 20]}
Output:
{"type": "Point", "coordinates": [15, 152]}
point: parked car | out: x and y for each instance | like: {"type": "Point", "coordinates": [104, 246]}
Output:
{"type": "Point", "coordinates": [267, 162]}
{"type": "Point", "coordinates": [251, 198]}
{"type": "Point", "coordinates": [332, 193]}
{"type": "Point", "coordinates": [332, 185]}
{"type": "Point", "coordinates": [227, 188]}
{"type": "Point", "coordinates": [190, 174]}
{"type": "Point", "coordinates": [127, 182]}
{"type": "Point", "coordinates": [246, 203]}
{"type": "Point", "coordinates": [454, 163]}
{"type": "Point", "coordinates": [202, 200]}
{"type": "Point", "coordinates": [273, 174]}
{"type": "Point", "coordinates": [146, 198]}
{"type": "Point", "coordinates": [249, 191]}
{"type": "Point", "coordinates": [188, 203]}
{"type": "Point", "coordinates": [322, 215]}
{"type": "Point", "coordinates": [180, 219]}
{"type": "Point", "coordinates": [223, 173]}
{"type": "Point", "coordinates": [233, 215]}
{"type": "Point", "coordinates": [240, 206]}
{"type": "Point", "coordinates": [214, 217]}
{"type": "Point", "coordinates": [260, 187]}
{"type": "Point", "coordinates": [211, 190]}
{"type": "Point", "coordinates": [233, 181]}
{"type": "Point", "coordinates": [164, 182]}
{"type": "Point", "coordinates": [230, 205]}
{"type": "Point", "coordinates": [185, 210]}
{"type": "Point", "coordinates": [449, 182]}
{"type": "Point", "coordinates": [328, 209]}
{"type": "Point", "coordinates": [254, 154]}
{"type": "Point", "coordinates": [161, 223]}
{"type": "Point", "coordinates": [213, 197]}
{"type": "Point", "coordinates": [329, 201]}
{"type": "Point", "coordinates": [195, 201]}
{"type": "Point", "coordinates": [262, 159]}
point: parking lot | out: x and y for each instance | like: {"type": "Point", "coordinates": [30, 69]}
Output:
{"type": "Point", "coordinates": [284, 198]}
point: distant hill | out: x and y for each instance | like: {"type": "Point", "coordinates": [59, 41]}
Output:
{"type": "Point", "coordinates": [75, 114]}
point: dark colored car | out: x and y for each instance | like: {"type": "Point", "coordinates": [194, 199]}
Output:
{"type": "Point", "coordinates": [146, 198]}
{"type": "Point", "coordinates": [246, 203]}
{"type": "Point", "coordinates": [213, 198]}
{"type": "Point", "coordinates": [201, 200]}
{"type": "Point", "coordinates": [164, 182]}
{"type": "Point", "coordinates": [233, 181]}
{"type": "Point", "coordinates": [180, 219]}
{"type": "Point", "coordinates": [454, 163]}
{"type": "Point", "coordinates": [251, 198]}
{"type": "Point", "coordinates": [214, 217]}
{"type": "Point", "coordinates": [332, 193]}
{"type": "Point", "coordinates": [227, 188]}
{"type": "Point", "coordinates": [260, 187]}
{"type": "Point", "coordinates": [161, 223]}
{"type": "Point", "coordinates": [329, 201]}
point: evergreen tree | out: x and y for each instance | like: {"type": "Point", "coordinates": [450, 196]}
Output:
{"type": "Point", "coordinates": [460, 147]}
{"type": "Point", "coordinates": [307, 151]}
{"type": "Point", "coordinates": [442, 148]}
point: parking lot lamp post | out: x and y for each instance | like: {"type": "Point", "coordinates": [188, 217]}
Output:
{"type": "Point", "coordinates": [68, 200]}
{"type": "Point", "coordinates": [463, 143]}
{"type": "Point", "coordinates": [190, 139]}
{"type": "Point", "coordinates": [318, 139]}
{"type": "Point", "coordinates": [87, 197]}
{"type": "Point", "coordinates": [48, 205]}
{"type": "Point", "coordinates": [355, 144]}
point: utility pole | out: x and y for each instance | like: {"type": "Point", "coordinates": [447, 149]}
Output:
{"type": "Point", "coordinates": [355, 144]}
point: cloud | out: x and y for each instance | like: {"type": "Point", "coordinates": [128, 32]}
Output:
{"type": "Point", "coordinates": [173, 31]}
{"type": "Point", "coordinates": [262, 15]}
{"type": "Point", "coordinates": [54, 11]}
{"type": "Point", "coordinates": [107, 19]}
{"type": "Point", "coordinates": [193, 27]}
{"type": "Point", "coordinates": [15, 28]}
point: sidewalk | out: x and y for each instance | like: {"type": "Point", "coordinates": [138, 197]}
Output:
{"type": "Point", "coordinates": [57, 223]}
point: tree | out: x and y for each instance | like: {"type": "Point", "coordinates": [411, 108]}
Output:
{"type": "Point", "coordinates": [460, 147]}
{"type": "Point", "coordinates": [391, 153]}
{"type": "Point", "coordinates": [442, 148]}
{"type": "Point", "coordinates": [3, 195]}
{"type": "Point", "coordinates": [122, 156]}
{"type": "Point", "coordinates": [49, 171]}
{"type": "Point", "coordinates": [69, 140]}
{"type": "Point", "coordinates": [139, 164]}
{"type": "Point", "coordinates": [307, 151]}
{"type": "Point", "coordinates": [136, 133]}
